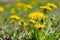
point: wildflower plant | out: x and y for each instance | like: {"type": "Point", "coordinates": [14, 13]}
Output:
{"type": "Point", "coordinates": [28, 21]}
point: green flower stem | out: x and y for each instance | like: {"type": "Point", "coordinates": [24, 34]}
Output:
{"type": "Point", "coordinates": [49, 25]}
{"type": "Point", "coordinates": [26, 30]}
{"type": "Point", "coordinates": [57, 35]}
{"type": "Point", "coordinates": [37, 33]}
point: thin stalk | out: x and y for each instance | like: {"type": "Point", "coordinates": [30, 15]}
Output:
{"type": "Point", "coordinates": [46, 31]}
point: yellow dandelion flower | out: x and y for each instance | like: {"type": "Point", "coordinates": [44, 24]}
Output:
{"type": "Point", "coordinates": [40, 26]}
{"type": "Point", "coordinates": [14, 17]}
{"type": "Point", "coordinates": [32, 21]}
{"type": "Point", "coordinates": [26, 7]}
{"type": "Point", "coordinates": [12, 21]}
{"type": "Point", "coordinates": [29, 6]}
{"type": "Point", "coordinates": [22, 22]}
{"type": "Point", "coordinates": [19, 4]}
{"type": "Point", "coordinates": [52, 5]}
{"type": "Point", "coordinates": [36, 15]}
{"type": "Point", "coordinates": [12, 10]}
{"type": "Point", "coordinates": [46, 8]}
{"type": "Point", "coordinates": [1, 9]}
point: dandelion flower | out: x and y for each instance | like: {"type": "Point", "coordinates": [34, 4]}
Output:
{"type": "Point", "coordinates": [19, 4]}
{"type": "Point", "coordinates": [46, 8]}
{"type": "Point", "coordinates": [40, 25]}
{"type": "Point", "coordinates": [26, 7]}
{"type": "Point", "coordinates": [1, 9]}
{"type": "Point", "coordinates": [29, 6]}
{"type": "Point", "coordinates": [52, 5]}
{"type": "Point", "coordinates": [36, 15]}
{"type": "Point", "coordinates": [22, 22]}
{"type": "Point", "coordinates": [14, 17]}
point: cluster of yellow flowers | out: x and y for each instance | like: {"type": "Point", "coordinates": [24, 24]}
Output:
{"type": "Point", "coordinates": [14, 18]}
{"type": "Point", "coordinates": [20, 21]}
{"type": "Point", "coordinates": [34, 16]}
{"type": "Point", "coordinates": [24, 6]}
{"type": "Point", "coordinates": [48, 6]}
{"type": "Point", "coordinates": [38, 15]}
